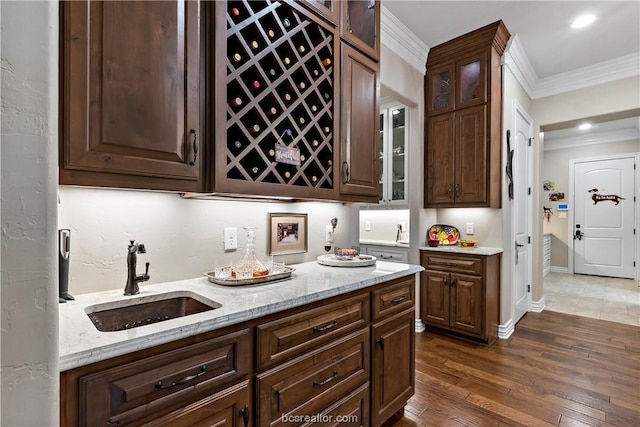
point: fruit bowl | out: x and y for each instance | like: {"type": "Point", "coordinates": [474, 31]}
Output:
{"type": "Point", "coordinates": [468, 243]}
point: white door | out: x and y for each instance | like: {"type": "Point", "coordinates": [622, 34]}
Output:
{"type": "Point", "coordinates": [603, 243]}
{"type": "Point", "coordinates": [521, 220]}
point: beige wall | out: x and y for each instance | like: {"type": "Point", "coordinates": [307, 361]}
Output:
{"type": "Point", "coordinates": [383, 223]}
{"type": "Point", "coordinates": [555, 167]}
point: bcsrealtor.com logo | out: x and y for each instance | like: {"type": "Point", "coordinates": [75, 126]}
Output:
{"type": "Point", "coordinates": [318, 418]}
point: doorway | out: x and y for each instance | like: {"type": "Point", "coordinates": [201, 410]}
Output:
{"type": "Point", "coordinates": [602, 227]}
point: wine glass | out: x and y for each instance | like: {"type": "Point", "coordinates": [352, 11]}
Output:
{"type": "Point", "coordinates": [327, 246]}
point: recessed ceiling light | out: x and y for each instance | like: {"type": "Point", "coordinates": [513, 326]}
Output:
{"type": "Point", "coordinates": [584, 126]}
{"type": "Point", "coordinates": [583, 21]}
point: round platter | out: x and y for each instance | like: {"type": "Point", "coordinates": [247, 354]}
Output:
{"type": "Point", "coordinates": [332, 261]}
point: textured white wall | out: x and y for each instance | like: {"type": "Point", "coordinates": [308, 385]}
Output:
{"type": "Point", "coordinates": [384, 223]}
{"type": "Point", "coordinates": [29, 57]}
{"type": "Point", "coordinates": [183, 238]}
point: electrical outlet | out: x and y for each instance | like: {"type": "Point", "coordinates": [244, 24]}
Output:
{"type": "Point", "coordinates": [328, 234]}
{"type": "Point", "coordinates": [367, 226]}
{"type": "Point", "coordinates": [469, 228]}
{"type": "Point", "coordinates": [230, 238]}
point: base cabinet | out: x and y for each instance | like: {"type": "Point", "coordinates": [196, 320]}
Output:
{"type": "Point", "coordinates": [460, 294]}
{"type": "Point", "coordinates": [348, 360]}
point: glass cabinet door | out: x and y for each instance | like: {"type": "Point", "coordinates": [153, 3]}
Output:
{"type": "Point", "coordinates": [440, 90]}
{"type": "Point", "coordinates": [361, 25]}
{"type": "Point", "coordinates": [397, 154]}
{"type": "Point", "coordinates": [471, 81]}
{"type": "Point", "coordinates": [392, 148]}
{"type": "Point", "coordinates": [330, 9]}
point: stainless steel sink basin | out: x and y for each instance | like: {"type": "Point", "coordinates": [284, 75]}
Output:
{"type": "Point", "coordinates": [128, 314]}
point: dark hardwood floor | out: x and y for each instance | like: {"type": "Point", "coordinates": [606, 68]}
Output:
{"type": "Point", "coordinates": [556, 369]}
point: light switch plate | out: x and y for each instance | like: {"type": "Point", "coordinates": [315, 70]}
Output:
{"type": "Point", "coordinates": [469, 228]}
{"type": "Point", "coordinates": [367, 226]}
{"type": "Point", "coordinates": [230, 238]}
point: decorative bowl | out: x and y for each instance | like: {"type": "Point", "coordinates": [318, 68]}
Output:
{"type": "Point", "coordinates": [468, 243]}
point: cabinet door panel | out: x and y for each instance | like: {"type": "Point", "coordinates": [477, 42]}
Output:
{"type": "Point", "coordinates": [471, 156]}
{"type": "Point", "coordinates": [467, 304]}
{"type": "Point", "coordinates": [439, 162]}
{"type": "Point", "coordinates": [471, 81]}
{"type": "Point", "coordinates": [434, 292]}
{"type": "Point", "coordinates": [361, 25]}
{"type": "Point", "coordinates": [440, 89]}
{"type": "Point", "coordinates": [131, 90]}
{"type": "Point", "coordinates": [393, 375]}
{"type": "Point", "coordinates": [360, 125]}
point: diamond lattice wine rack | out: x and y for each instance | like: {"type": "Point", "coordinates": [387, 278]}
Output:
{"type": "Point", "coordinates": [279, 90]}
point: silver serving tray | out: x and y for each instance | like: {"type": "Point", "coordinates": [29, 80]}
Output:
{"type": "Point", "coordinates": [253, 281]}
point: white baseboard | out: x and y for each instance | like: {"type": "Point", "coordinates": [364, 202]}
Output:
{"type": "Point", "coordinates": [419, 326]}
{"type": "Point", "coordinates": [555, 269]}
{"type": "Point", "coordinates": [538, 306]}
{"type": "Point", "coordinates": [505, 331]}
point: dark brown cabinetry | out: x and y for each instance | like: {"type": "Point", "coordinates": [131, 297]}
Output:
{"type": "Point", "coordinates": [393, 341]}
{"type": "Point", "coordinates": [360, 127]}
{"type": "Point", "coordinates": [349, 359]}
{"type": "Point", "coordinates": [130, 95]}
{"type": "Point", "coordinates": [460, 293]}
{"type": "Point", "coordinates": [463, 90]}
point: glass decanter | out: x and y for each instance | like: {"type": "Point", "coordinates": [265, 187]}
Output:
{"type": "Point", "coordinates": [250, 261]}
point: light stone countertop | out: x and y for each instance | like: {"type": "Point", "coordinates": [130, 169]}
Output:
{"type": "Point", "coordinates": [81, 343]}
{"type": "Point", "coordinates": [480, 250]}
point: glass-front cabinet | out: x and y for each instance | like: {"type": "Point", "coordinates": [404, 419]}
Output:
{"type": "Point", "coordinates": [393, 156]}
{"type": "Point", "coordinates": [361, 24]}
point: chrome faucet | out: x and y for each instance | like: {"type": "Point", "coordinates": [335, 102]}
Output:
{"type": "Point", "coordinates": [132, 259]}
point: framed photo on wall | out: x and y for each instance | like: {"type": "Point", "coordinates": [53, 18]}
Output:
{"type": "Point", "coordinates": [287, 233]}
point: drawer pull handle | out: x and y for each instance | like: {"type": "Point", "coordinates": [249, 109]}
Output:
{"type": "Point", "coordinates": [380, 342]}
{"type": "Point", "coordinates": [244, 413]}
{"type": "Point", "coordinates": [328, 380]}
{"type": "Point", "coordinates": [325, 327]}
{"type": "Point", "coordinates": [454, 282]}
{"type": "Point", "coordinates": [195, 147]}
{"type": "Point", "coordinates": [383, 256]}
{"type": "Point", "coordinates": [113, 423]}
{"type": "Point", "coordinates": [399, 299]}
{"type": "Point", "coordinates": [186, 379]}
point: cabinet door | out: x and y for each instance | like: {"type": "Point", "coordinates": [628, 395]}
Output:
{"type": "Point", "coordinates": [393, 373]}
{"type": "Point", "coordinates": [360, 25]}
{"type": "Point", "coordinates": [439, 161]}
{"type": "Point", "coordinates": [471, 156]}
{"type": "Point", "coordinates": [229, 408]}
{"type": "Point", "coordinates": [434, 299]}
{"type": "Point", "coordinates": [131, 94]}
{"type": "Point", "coordinates": [467, 304]}
{"type": "Point", "coordinates": [471, 81]}
{"type": "Point", "coordinates": [359, 123]}
{"type": "Point", "coordinates": [440, 89]}
{"type": "Point", "coordinates": [329, 9]}
{"type": "Point", "coordinates": [397, 155]}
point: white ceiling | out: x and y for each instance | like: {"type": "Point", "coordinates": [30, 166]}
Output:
{"type": "Point", "coordinates": [543, 28]}
{"type": "Point", "coordinates": [556, 52]}
{"type": "Point", "coordinates": [627, 129]}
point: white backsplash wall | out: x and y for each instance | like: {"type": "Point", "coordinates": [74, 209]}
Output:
{"type": "Point", "coordinates": [183, 238]}
{"type": "Point", "coordinates": [487, 224]}
{"type": "Point", "coordinates": [384, 223]}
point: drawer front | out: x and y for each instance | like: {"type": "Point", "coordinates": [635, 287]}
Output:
{"type": "Point", "coordinates": [389, 255]}
{"type": "Point", "coordinates": [311, 383]}
{"type": "Point", "coordinates": [452, 263]}
{"type": "Point", "coordinates": [352, 411]}
{"type": "Point", "coordinates": [393, 298]}
{"type": "Point", "coordinates": [148, 386]}
{"type": "Point", "coordinates": [293, 335]}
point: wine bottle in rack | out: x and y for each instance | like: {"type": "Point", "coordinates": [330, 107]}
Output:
{"type": "Point", "coordinates": [286, 60]}
{"type": "Point", "coordinates": [301, 85]}
{"type": "Point", "coordinates": [287, 97]}
{"type": "Point", "coordinates": [236, 102]}
{"type": "Point", "coordinates": [326, 62]}
{"type": "Point", "coordinates": [236, 57]}
{"type": "Point", "coordinates": [254, 128]}
{"type": "Point", "coordinates": [286, 22]}
{"type": "Point", "coordinates": [271, 111]}
{"type": "Point", "coordinates": [255, 85]}
{"type": "Point", "coordinates": [235, 12]}
{"type": "Point", "coordinates": [314, 143]}
{"type": "Point", "coordinates": [301, 120]}
{"type": "Point", "coordinates": [327, 129]}
{"type": "Point", "coordinates": [254, 45]}
{"type": "Point", "coordinates": [271, 34]}
{"type": "Point", "coordinates": [316, 72]}
{"type": "Point", "coordinates": [301, 49]}
{"type": "Point", "coordinates": [314, 108]}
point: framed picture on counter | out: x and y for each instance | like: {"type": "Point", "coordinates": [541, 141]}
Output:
{"type": "Point", "coordinates": [287, 233]}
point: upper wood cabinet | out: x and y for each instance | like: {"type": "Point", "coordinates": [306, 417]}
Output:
{"type": "Point", "coordinates": [329, 9]}
{"type": "Point", "coordinates": [130, 95]}
{"type": "Point", "coordinates": [360, 25]}
{"type": "Point", "coordinates": [359, 127]}
{"type": "Point", "coordinates": [463, 128]}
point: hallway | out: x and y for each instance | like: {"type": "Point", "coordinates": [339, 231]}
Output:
{"type": "Point", "coordinates": [605, 298]}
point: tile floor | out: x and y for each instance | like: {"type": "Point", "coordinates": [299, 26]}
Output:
{"type": "Point", "coordinates": [606, 298]}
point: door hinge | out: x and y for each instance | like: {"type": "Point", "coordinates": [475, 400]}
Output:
{"type": "Point", "coordinates": [529, 190]}
{"type": "Point", "coordinates": [529, 239]}
{"type": "Point", "coordinates": [530, 141]}
{"type": "Point", "coordinates": [528, 288]}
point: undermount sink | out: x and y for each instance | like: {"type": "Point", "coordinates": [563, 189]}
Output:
{"type": "Point", "coordinates": [128, 314]}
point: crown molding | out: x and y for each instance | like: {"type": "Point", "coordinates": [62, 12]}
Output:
{"type": "Point", "coordinates": [610, 137]}
{"type": "Point", "coordinates": [516, 59]}
{"type": "Point", "coordinates": [592, 75]}
{"type": "Point", "coordinates": [397, 37]}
